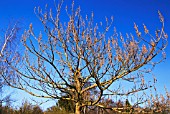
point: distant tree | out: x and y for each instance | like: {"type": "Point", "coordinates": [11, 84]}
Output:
{"type": "Point", "coordinates": [68, 105]}
{"type": "Point", "coordinates": [159, 103]}
{"type": "Point", "coordinates": [37, 110]}
{"type": "Point", "coordinates": [127, 105]}
{"type": "Point", "coordinates": [78, 56]}
{"type": "Point", "coordinates": [55, 110]}
{"type": "Point", "coordinates": [28, 108]}
{"type": "Point", "coordinates": [7, 110]}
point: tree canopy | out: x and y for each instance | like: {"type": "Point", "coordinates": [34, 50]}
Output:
{"type": "Point", "coordinates": [83, 59]}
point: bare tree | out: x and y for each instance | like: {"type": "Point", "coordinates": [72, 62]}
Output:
{"type": "Point", "coordinates": [8, 41]}
{"type": "Point", "coordinates": [75, 57]}
{"type": "Point", "coordinates": [7, 37]}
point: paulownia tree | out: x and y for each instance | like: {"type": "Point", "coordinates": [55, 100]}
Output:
{"type": "Point", "coordinates": [80, 57]}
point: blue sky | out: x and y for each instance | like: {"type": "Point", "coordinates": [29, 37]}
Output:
{"type": "Point", "coordinates": [125, 13]}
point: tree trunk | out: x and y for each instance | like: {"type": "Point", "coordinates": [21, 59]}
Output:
{"type": "Point", "coordinates": [78, 111]}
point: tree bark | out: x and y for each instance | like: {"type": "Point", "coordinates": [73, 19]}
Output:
{"type": "Point", "coordinates": [77, 111]}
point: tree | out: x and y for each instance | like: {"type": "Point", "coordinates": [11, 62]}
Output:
{"type": "Point", "coordinates": [66, 104]}
{"type": "Point", "coordinates": [8, 40]}
{"type": "Point", "coordinates": [159, 103]}
{"type": "Point", "coordinates": [37, 110]}
{"type": "Point", "coordinates": [55, 110]}
{"type": "Point", "coordinates": [28, 108]}
{"type": "Point", "coordinates": [78, 56]}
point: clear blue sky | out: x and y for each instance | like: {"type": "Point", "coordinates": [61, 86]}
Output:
{"type": "Point", "coordinates": [125, 13]}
